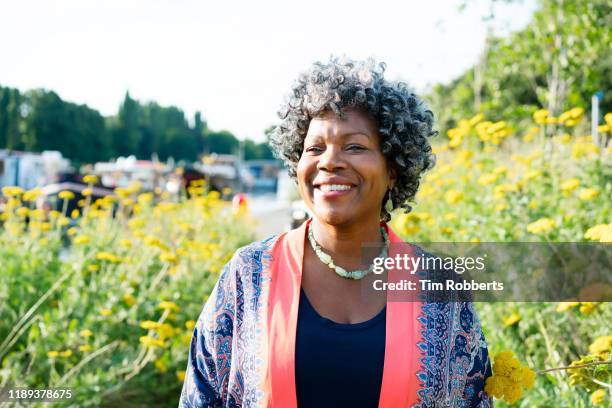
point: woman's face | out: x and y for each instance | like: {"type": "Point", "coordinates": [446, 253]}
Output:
{"type": "Point", "coordinates": [342, 173]}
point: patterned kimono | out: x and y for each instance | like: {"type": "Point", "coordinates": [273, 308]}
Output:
{"type": "Point", "coordinates": [242, 353]}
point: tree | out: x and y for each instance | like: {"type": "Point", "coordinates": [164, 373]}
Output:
{"type": "Point", "coordinates": [222, 142]}
{"type": "Point", "coordinates": [557, 62]}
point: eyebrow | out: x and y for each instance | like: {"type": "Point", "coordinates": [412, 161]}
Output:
{"type": "Point", "coordinates": [345, 135]}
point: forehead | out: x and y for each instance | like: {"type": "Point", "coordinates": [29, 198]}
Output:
{"type": "Point", "coordinates": [330, 124]}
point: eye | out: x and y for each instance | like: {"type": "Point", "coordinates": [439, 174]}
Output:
{"type": "Point", "coordinates": [314, 149]}
{"type": "Point", "coordinates": [355, 147]}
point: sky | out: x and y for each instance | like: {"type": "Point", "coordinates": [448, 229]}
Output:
{"type": "Point", "coordinates": [232, 60]}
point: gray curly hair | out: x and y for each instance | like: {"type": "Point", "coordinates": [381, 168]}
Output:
{"type": "Point", "coordinates": [404, 121]}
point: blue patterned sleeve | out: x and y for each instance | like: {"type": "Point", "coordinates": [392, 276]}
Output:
{"type": "Point", "coordinates": [481, 363]}
{"type": "Point", "coordinates": [210, 352]}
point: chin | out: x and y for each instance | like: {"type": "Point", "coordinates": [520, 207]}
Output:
{"type": "Point", "coordinates": [333, 216]}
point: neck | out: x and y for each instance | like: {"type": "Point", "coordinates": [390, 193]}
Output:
{"type": "Point", "coordinates": [343, 242]}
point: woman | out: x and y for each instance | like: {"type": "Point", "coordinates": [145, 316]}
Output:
{"type": "Point", "coordinates": [288, 323]}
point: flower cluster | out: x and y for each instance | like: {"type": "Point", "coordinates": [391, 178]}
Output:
{"type": "Point", "coordinates": [509, 378]}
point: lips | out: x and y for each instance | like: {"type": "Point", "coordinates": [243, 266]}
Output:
{"type": "Point", "coordinates": [333, 181]}
{"type": "Point", "coordinates": [332, 188]}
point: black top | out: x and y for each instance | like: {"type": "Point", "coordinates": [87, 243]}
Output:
{"type": "Point", "coordinates": [338, 365]}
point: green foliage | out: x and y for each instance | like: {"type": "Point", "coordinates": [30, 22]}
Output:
{"type": "Point", "coordinates": [111, 315]}
{"type": "Point", "coordinates": [557, 62]}
{"type": "Point", "coordinates": [40, 120]}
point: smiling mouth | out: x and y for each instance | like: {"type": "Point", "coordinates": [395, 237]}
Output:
{"type": "Point", "coordinates": [333, 187]}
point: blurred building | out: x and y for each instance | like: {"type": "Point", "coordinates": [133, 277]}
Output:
{"type": "Point", "coordinates": [28, 169]}
{"type": "Point", "coordinates": [125, 170]}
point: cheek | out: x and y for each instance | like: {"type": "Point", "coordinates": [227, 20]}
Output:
{"type": "Point", "coordinates": [302, 173]}
{"type": "Point", "coordinates": [376, 172]}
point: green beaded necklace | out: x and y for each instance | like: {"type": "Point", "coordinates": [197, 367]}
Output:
{"type": "Point", "coordinates": [327, 260]}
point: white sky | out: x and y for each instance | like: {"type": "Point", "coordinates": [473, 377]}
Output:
{"type": "Point", "coordinates": [232, 60]}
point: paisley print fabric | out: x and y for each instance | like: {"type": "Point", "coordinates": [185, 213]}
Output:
{"type": "Point", "coordinates": [227, 364]}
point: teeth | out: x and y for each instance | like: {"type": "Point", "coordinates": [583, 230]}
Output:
{"type": "Point", "coordinates": [334, 187]}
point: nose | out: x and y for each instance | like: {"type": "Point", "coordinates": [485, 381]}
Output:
{"type": "Point", "coordinates": [331, 159]}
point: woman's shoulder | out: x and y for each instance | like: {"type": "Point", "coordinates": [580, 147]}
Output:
{"type": "Point", "coordinates": [256, 249]}
{"type": "Point", "coordinates": [251, 258]}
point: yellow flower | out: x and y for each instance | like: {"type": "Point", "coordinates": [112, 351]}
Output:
{"type": "Point", "coordinates": [508, 378]}
{"type": "Point", "coordinates": [530, 175]}
{"type": "Point", "coordinates": [135, 223]}
{"type": "Point", "coordinates": [450, 216]}
{"type": "Point", "coordinates": [168, 257]}
{"type": "Point", "coordinates": [494, 386]}
{"type": "Point", "coordinates": [511, 320]}
{"type": "Point", "coordinates": [126, 243]}
{"type": "Point", "coordinates": [90, 179]}
{"type": "Point", "coordinates": [513, 393]}
{"type": "Point", "coordinates": [72, 231]}
{"type": "Point", "coordinates": [66, 195]}
{"type": "Point", "coordinates": [149, 324]}
{"type": "Point", "coordinates": [595, 233]}
{"type": "Point", "coordinates": [86, 333]}
{"type": "Point", "coordinates": [66, 353]}
{"type": "Point", "coordinates": [93, 267]}
{"type": "Point", "coordinates": [601, 347]}
{"type": "Point", "coordinates": [168, 306]}
{"type": "Point", "coordinates": [11, 191]}
{"type": "Point", "coordinates": [190, 324]}
{"type": "Point", "coordinates": [598, 396]}
{"type": "Point", "coordinates": [81, 240]}
{"type": "Point", "coordinates": [565, 306]}
{"type": "Point", "coordinates": [501, 190]}
{"type": "Point", "coordinates": [129, 299]}
{"type": "Point", "coordinates": [85, 348]}
{"type": "Point", "coordinates": [165, 331]}
{"type": "Point", "coordinates": [541, 226]}
{"type": "Point", "coordinates": [155, 242]}
{"type": "Point", "coordinates": [487, 179]}
{"type": "Point", "coordinates": [180, 375]}
{"type": "Point", "coordinates": [107, 256]}
{"type": "Point", "coordinates": [584, 149]}
{"type": "Point", "coordinates": [540, 116]}
{"type": "Point", "coordinates": [106, 312]}
{"type": "Point", "coordinates": [453, 196]}
{"type": "Point", "coordinates": [151, 341]}
{"type": "Point", "coordinates": [587, 194]}
{"type": "Point", "coordinates": [12, 203]}
{"type": "Point", "coordinates": [161, 366]}
{"type": "Point", "coordinates": [603, 128]}
{"type": "Point", "coordinates": [122, 192]}
{"type": "Point", "coordinates": [87, 192]}
{"type": "Point", "coordinates": [145, 198]}
{"type": "Point", "coordinates": [570, 185]}
{"type": "Point", "coordinates": [551, 120]}
{"type": "Point", "coordinates": [53, 354]}
{"type": "Point", "coordinates": [587, 308]}
{"type": "Point", "coordinates": [22, 212]}
{"type": "Point", "coordinates": [74, 214]}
